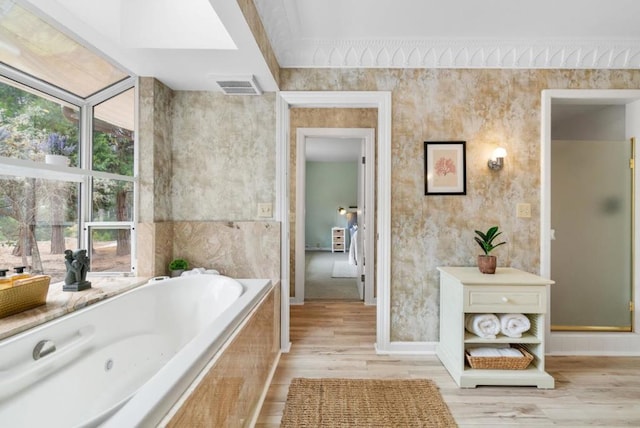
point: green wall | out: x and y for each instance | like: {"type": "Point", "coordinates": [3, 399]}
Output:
{"type": "Point", "coordinates": [329, 185]}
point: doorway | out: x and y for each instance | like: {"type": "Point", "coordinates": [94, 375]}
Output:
{"type": "Point", "coordinates": [343, 219]}
{"type": "Point", "coordinates": [602, 123]}
{"type": "Point", "coordinates": [381, 101]}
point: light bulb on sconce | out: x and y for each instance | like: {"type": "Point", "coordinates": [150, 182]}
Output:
{"type": "Point", "coordinates": [342, 211]}
{"type": "Point", "coordinates": [497, 160]}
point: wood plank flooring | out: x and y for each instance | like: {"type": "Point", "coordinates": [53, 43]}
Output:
{"type": "Point", "coordinates": [335, 339]}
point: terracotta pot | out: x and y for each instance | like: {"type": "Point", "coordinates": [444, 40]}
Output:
{"type": "Point", "coordinates": [487, 264]}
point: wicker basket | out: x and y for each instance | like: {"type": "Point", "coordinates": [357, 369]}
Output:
{"type": "Point", "coordinates": [501, 363]}
{"type": "Point", "coordinates": [25, 294]}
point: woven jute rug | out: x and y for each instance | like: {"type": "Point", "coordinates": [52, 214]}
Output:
{"type": "Point", "coordinates": [365, 403]}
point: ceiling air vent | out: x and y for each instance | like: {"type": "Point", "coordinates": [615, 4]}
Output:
{"type": "Point", "coordinates": [239, 86]}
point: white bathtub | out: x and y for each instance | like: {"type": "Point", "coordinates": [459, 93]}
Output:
{"type": "Point", "coordinates": [124, 361]}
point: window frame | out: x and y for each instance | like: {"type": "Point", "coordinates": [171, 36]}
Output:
{"type": "Point", "coordinates": [84, 172]}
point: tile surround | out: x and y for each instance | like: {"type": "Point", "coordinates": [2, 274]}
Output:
{"type": "Point", "coordinates": [237, 249]}
{"type": "Point", "coordinates": [234, 384]}
{"type": "Point", "coordinates": [60, 302]}
{"type": "Point", "coordinates": [154, 252]}
{"type": "Point", "coordinates": [154, 146]}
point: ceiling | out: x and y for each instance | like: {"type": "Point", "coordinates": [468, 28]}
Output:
{"type": "Point", "coordinates": [360, 33]}
{"type": "Point", "coordinates": [454, 33]}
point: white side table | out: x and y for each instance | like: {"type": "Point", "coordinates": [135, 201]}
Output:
{"type": "Point", "coordinates": [465, 290]}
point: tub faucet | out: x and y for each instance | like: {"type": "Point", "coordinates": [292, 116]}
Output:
{"type": "Point", "coordinates": [43, 348]}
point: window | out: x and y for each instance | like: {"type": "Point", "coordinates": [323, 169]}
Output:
{"type": "Point", "coordinates": [113, 134]}
{"type": "Point", "coordinates": [38, 221]}
{"type": "Point", "coordinates": [37, 128]}
{"type": "Point", "coordinates": [32, 46]}
{"type": "Point", "coordinates": [67, 152]}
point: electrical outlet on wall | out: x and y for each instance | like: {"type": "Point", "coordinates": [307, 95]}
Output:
{"type": "Point", "coordinates": [523, 210]}
{"type": "Point", "coordinates": [265, 210]}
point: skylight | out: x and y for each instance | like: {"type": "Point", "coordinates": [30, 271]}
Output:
{"type": "Point", "coordinates": [29, 44]}
{"type": "Point", "coordinates": [169, 24]}
{"type": "Point", "coordinates": [152, 24]}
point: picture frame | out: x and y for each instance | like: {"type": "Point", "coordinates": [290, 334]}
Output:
{"type": "Point", "coordinates": [445, 168]}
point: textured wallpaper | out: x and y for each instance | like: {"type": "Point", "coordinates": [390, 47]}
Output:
{"type": "Point", "coordinates": [224, 151]}
{"type": "Point", "coordinates": [485, 108]}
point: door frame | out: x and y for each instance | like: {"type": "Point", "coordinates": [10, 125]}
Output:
{"type": "Point", "coordinates": [587, 343]}
{"type": "Point", "coordinates": [368, 135]}
{"type": "Point", "coordinates": [380, 100]}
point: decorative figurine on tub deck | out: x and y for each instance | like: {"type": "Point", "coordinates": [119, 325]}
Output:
{"type": "Point", "coordinates": [77, 264]}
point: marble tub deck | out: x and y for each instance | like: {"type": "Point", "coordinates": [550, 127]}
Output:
{"type": "Point", "coordinates": [60, 302]}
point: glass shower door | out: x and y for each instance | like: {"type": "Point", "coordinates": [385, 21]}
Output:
{"type": "Point", "coordinates": [591, 246]}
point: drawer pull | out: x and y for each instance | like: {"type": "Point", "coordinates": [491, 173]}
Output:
{"type": "Point", "coordinates": [505, 299]}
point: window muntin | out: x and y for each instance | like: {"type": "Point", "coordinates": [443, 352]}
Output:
{"type": "Point", "coordinates": [29, 44]}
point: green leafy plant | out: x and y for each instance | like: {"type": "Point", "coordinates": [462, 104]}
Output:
{"type": "Point", "coordinates": [178, 264]}
{"type": "Point", "coordinates": [485, 240]}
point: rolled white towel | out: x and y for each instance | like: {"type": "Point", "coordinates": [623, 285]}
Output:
{"type": "Point", "coordinates": [485, 326]}
{"type": "Point", "coordinates": [494, 352]}
{"type": "Point", "coordinates": [200, 271]}
{"type": "Point", "coordinates": [194, 271]}
{"type": "Point", "coordinates": [513, 325]}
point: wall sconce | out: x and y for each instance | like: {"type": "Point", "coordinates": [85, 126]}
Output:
{"type": "Point", "coordinates": [342, 211]}
{"type": "Point", "coordinates": [497, 161]}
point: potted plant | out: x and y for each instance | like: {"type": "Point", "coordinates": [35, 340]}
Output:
{"type": "Point", "coordinates": [486, 262]}
{"type": "Point", "coordinates": [177, 266]}
{"type": "Point", "coordinates": [57, 149]}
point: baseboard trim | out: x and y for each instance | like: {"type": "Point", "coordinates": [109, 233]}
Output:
{"type": "Point", "coordinates": [605, 344]}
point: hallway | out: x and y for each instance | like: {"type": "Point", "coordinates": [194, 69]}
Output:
{"type": "Point", "coordinates": [319, 283]}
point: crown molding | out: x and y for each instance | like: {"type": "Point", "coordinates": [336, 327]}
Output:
{"type": "Point", "coordinates": [293, 51]}
{"type": "Point", "coordinates": [618, 54]}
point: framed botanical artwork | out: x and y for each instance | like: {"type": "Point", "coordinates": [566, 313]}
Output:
{"type": "Point", "coordinates": [445, 168]}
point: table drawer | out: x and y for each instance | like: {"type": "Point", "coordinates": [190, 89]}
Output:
{"type": "Point", "coordinates": [502, 299]}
